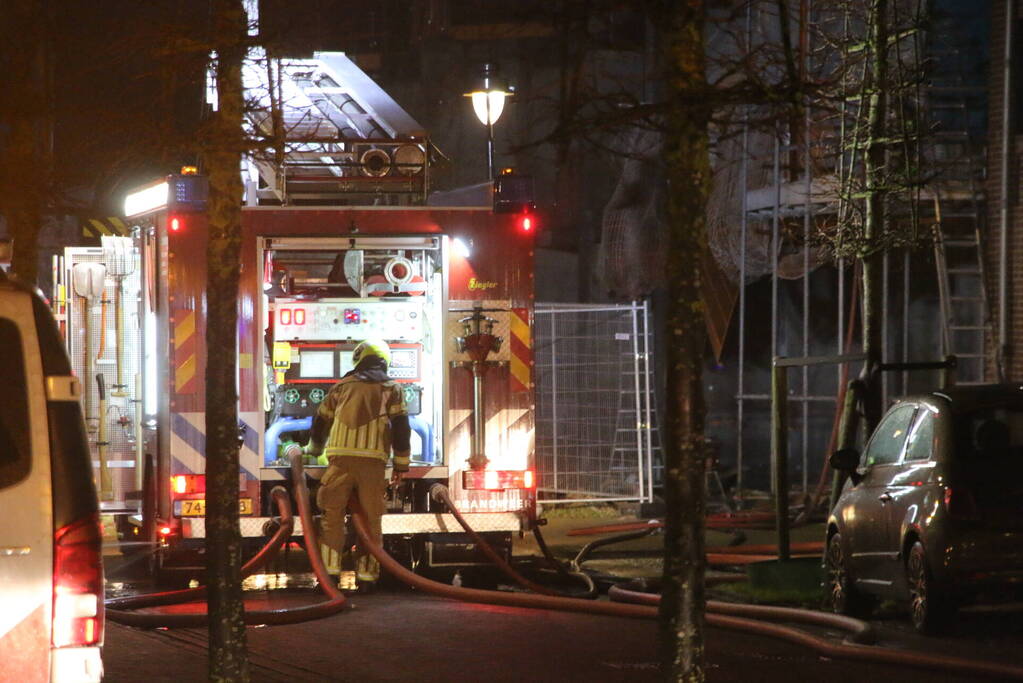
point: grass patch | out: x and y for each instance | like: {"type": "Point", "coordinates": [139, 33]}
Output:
{"type": "Point", "coordinates": [744, 592]}
{"type": "Point", "coordinates": [580, 511]}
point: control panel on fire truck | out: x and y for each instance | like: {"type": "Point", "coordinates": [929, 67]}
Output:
{"type": "Point", "coordinates": [314, 319]}
{"type": "Point", "coordinates": [354, 320]}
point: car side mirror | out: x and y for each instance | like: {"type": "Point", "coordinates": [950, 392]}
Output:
{"type": "Point", "coordinates": [845, 460]}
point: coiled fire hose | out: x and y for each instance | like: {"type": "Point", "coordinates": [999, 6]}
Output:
{"type": "Point", "coordinates": [116, 608]}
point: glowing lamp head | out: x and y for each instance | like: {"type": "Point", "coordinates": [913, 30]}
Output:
{"type": "Point", "coordinates": [488, 105]}
{"type": "Point", "coordinates": [488, 99]}
{"type": "Point", "coordinates": [174, 224]}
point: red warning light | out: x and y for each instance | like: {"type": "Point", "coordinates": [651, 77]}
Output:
{"type": "Point", "coordinates": [175, 224]}
{"type": "Point", "coordinates": [285, 316]}
{"type": "Point", "coordinates": [526, 223]}
{"type": "Point", "coordinates": [299, 316]}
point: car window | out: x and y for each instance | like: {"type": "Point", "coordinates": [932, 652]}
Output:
{"type": "Point", "coordinates": [921, 437]}
{"type": "Point", "coordinates": [15, 449]}
{"type": "Point", "coordinates": [994, 434]}
{"type": "Point", "coordinates": [885, 446]}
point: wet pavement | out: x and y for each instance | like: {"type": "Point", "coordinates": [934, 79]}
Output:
{"type": "Point", "coordinates": [402, 634]}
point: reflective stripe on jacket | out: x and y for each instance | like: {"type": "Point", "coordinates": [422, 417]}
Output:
{"type": "Point", "coordinates": [360, 415]}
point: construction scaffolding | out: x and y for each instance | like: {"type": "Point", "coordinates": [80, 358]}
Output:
{"type": "Point", "coordinates": [786, 184]}
{"type": "Point", "coordinates": [595, 415]}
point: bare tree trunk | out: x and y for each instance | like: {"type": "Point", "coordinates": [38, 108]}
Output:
{"type": "Point", "coordinates": [25, 110]}
{"type": "Point", "coordinates": [228, 657]}
{"type": "Point", "coordinates": [688, 171]}
{"type": "Point", "coordinates": [875, 219]}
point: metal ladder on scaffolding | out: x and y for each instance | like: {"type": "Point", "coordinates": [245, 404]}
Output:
{"type": "Point", "coordinates": [966, 322]}
{"type": "Point", "coordinates": [958, 206]}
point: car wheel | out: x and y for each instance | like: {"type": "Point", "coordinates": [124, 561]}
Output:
{"type": "Point", "coordinates": [843, 598]}
{"type": "Point", "coordinates": [929, 610]}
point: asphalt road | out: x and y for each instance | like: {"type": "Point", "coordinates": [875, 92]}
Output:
{"type": "Point", "coordinates": [407, 636]}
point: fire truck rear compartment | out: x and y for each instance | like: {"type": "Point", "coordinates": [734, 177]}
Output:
{"type": "Point", "coordinates": [318, 304]}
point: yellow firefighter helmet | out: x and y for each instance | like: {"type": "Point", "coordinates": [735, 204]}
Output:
{"type": "Point", "coordinates": [371, 348]}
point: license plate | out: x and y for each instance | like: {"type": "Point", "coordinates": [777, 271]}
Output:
{"type": "Point", "coordinates": [197, 508]}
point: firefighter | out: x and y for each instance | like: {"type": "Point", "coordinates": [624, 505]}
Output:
{"type": "Point", "coordinates": [358, 423]}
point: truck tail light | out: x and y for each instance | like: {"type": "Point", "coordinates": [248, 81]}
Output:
{"type": "Point", "coordinates": [498, 480]}
{"type": "Point", "coordinates": [78, 584]}
{"type": "Point", "coordinates": [183, 484]}
{"type": "Point", "coordinates": [299, 316]}
{"type": "Point", "coordinates": [175, 224]}
{"type": "Point", "coordinates": [285, 316]}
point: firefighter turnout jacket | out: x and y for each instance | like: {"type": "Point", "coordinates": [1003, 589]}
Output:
{"type": "Point", "coordinates": [366, 415]}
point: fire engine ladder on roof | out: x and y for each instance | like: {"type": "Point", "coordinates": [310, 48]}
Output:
{"type": "Point", "coordinates": [346, 141]}
{"type": "Point", "coordinates": [958, 250]}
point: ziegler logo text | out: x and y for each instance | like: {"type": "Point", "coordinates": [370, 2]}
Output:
{"type": "Point", "coordinates": [481, 284]}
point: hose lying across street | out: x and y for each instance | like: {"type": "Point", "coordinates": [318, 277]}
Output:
{"type": "Point", "coordinates": [116, 608]}
{"type": "Point", "coordinates": [856, 647]}
{"type": "Point", "coordinates": [625, 603]}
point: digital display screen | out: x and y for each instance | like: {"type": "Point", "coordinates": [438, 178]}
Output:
{"type": "Point", "coordinates": [316, 364]}
{"type": "Point", "coordinates": [404, 363]}
{"type": "Point", "coordinates": [346, 363]}
{"type": "Point", "coordinates": [403, 358]}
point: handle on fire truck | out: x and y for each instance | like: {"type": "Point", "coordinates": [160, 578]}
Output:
{"type": "Point", "coordinates": [106, 488]}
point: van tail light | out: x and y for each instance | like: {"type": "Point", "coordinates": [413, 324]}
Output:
{"type": "Point", "coordinates": [78, 584]}
{"type": "Point", "coordinates": [960, 503]}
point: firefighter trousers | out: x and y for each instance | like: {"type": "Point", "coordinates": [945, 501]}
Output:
{"type": "Point", "coordinates": [364, 476]}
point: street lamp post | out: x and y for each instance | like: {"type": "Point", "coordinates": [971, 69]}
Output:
{"type": "Point", "coordinates": [488, 103]}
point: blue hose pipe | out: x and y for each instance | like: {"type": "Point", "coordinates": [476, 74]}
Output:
{"type": "Point", "coordinates": [274, 431]}
{"type": "Point", "coordinates": [425, 432]}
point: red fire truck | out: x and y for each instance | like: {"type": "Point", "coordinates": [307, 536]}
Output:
{"type": "Point", "coordinates": [449, 289]}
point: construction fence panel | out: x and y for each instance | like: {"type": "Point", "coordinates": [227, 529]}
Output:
{"type": "Point", "coordinates": [594, 403]}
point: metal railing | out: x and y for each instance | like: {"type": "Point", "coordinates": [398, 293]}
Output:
{"type": "Point", "coordinates": [594, 403]}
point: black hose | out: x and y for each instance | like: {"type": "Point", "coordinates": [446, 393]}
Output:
{"type": "Point", "coordinates": [600, 542]}
{"type": "Point", "coordinates": [559, 567]}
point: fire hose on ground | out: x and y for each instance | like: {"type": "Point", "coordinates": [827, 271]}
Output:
{"type": "Point", "coordinates": [439, 493]}
{"type": "Point", "coordinates": [720, 614]}
{"type": "Point", "coordinates": [857, 646]}
{"type": "Point", "coordinates": [577, 572]}
{"type": "Point", "coordinates": [730, 616]}
{"type": "Point", "coordinates": [117, 608]}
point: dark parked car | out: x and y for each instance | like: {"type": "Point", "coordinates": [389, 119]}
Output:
{"type": "Point", "coordinates": [932, 513]}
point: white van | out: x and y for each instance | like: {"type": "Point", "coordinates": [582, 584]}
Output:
{"type": "Point", "coordinates": [51, 572]}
